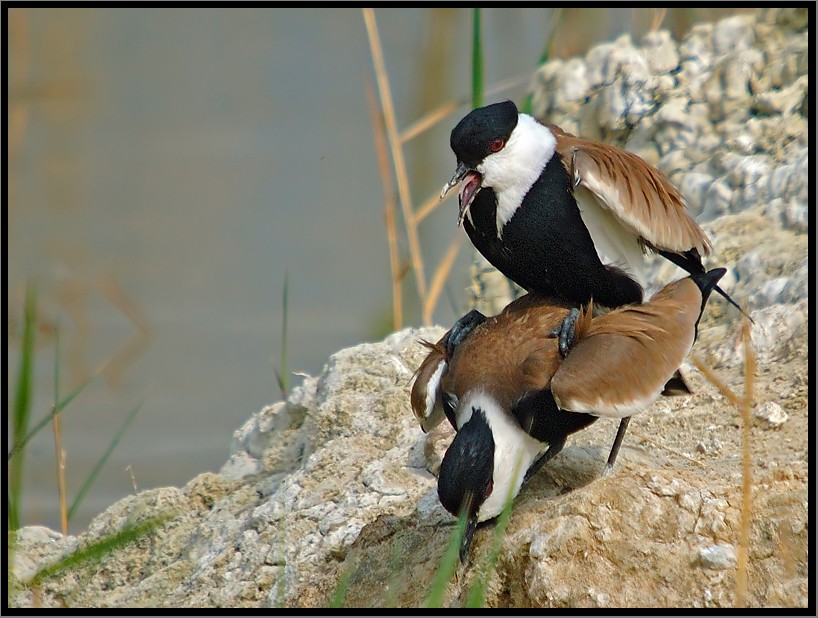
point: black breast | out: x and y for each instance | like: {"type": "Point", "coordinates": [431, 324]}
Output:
{"type": "Point", "coordinates": [545, 246]}
{"type": "Point", "coordinates": [540, 417]}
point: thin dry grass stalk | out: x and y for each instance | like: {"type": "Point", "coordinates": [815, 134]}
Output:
{"type": "Point", "coordinates": [60, 456]}
{"type": "Point", "coordinates": [388, 207]}
{"type": "Point", "coordinates": [715, 381]}
{"type": "Point", "coordinates": [745, 406]}
{"type": "Point", "coordinates": [19, 32]}
{"type": "Point", "coordinates": [440, 277]}
{"type": "Point", "coordinates": [427, 208]}
{"type": "Point", "coordinates": [428, 121]}
{"type": "Point", "coordinates": [657, 18]}
{"type": "Point", "coordinates": [747, 467]}
{"type": "Point", "coordinates": [644, 438]}
{"type": "Point", "coordinates": [395, 146]}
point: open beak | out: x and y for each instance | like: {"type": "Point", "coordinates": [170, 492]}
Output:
{"type": "Point", "coordinates": [467, 192]}
{"type": "Point", "coordinates": [455, 179]}
{"type": "Point", "coordinates": [471, 526]}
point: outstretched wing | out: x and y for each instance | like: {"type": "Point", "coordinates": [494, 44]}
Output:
{"type": "Point", "coordinates": [638, 195]}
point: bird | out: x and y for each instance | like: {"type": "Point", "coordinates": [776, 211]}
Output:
{"type": "Point", "coordinates": [569, 217]}
{"type": "Point", "coordinates": [566, 216]}
{"type": "Point", "coordinates": [513, 398]}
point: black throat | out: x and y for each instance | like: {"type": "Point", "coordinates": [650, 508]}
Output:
{"type": "Point", "coordinates": [545, 246]}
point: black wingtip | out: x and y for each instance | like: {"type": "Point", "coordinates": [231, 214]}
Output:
{"type": "Point", "coordinates": [734, 303]}
{"type": "Point", "coordinates": [709, 281]}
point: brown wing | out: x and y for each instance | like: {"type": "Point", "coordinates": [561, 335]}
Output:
{"type": "Point", "coordinates": [641, 198]}
{"type": "Point", "coordinates": [621, 361]}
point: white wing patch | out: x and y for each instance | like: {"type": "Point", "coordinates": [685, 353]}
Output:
{"type": "Point", "coordinates": [433, 413]}
{"type": "Point", "coordinates": [615, 244]}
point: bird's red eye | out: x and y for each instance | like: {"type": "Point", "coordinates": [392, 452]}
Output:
{"type": "Point", "coordinates": [497, 145]}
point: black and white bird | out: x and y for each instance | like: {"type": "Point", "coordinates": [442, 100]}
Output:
{"type": "Point", "coordinates": [566, 216]}
{"type": "Point", "coordinates": [513, 398]}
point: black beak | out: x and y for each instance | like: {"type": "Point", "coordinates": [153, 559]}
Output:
{"type": "Point", "coordinates": [455, 179]}
{"type": "Point", "coordinates": [471, 526]}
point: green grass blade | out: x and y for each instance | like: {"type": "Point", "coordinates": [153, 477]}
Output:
{"type": "Point", "coordinates": [282, 375]}
{"type": "Point", "coordinates": [448, 564]}
{"type": "Point", "coordinates": [476, 62]}
{"type": "Point", "coordinates": [94, 552]}
{"type": "Point", "coordinates": [22, 406]}
{"type": "Point", "coordinates": [479, 589]}
{"type": "Point", "coordinates": [339, 596]}
{"type": "Point", "coordinates": [95, 472]}
{"type": "Point", "coordinates": [47, 418]}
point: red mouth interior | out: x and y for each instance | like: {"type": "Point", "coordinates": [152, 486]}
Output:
{"type": "Point", "coordinates": [471, 183]}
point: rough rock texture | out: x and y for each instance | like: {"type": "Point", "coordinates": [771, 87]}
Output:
{"type": "Point", "coordinates": [333, 484]}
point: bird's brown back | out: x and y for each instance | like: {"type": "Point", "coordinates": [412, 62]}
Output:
{"type": "Point", "coordinates": [511, 354]}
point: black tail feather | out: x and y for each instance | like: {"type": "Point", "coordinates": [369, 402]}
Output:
{"type": "Point", "coordinates": [708, 281]}
{"type": "Point", "coordinates": [691, 262]}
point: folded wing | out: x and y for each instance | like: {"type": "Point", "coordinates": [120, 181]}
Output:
{"type": "Point", "coordinates": [620, 362]}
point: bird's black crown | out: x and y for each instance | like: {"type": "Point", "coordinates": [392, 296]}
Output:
{"type": "Point", "coordinates": [471, 138]}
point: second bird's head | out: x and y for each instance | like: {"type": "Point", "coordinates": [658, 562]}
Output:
{"type": "Point", "coordinates": [478, 475]}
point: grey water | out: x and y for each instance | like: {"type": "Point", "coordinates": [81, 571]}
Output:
{"type": "Point", "coordinates": [168, 169]}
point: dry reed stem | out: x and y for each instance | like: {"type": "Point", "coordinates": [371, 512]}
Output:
{"type": "Point", "coordinates": [382, 156]}
{"type": "Point", "coordinates": [441, 274]}
{"type": "Point", "coordinates": [395, 146]}
{"type": "Point", "coordinates": [657, 18]}
{"type": "Point", "coordinates": [747, 467]}
{"type": "Point", "coordinates": [19, 33]}
{"type": "Point", "coordinates": [111, 289]}
{"type": "Point", "coordinates": [428, 121]}
{"type": "Point", "coordinates": [714, 379]}
{"type": "Point", "coordinates": [745, 406]}
{"type": "Point", "coordinates": [427, 207]}
{"type": "Point", "coordinates": [60, 456]}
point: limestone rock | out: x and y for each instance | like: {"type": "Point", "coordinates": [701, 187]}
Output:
{"type": "Point", "coordinates": [334, 484]}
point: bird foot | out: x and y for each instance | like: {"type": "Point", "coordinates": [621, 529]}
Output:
{"type": "Point", "coordinates": [462, 328]}
{"type": "Point", "coordinates": [565, 331]}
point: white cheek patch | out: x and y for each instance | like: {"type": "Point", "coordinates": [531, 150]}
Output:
{"type": "Point", "coordinates": [512, 171]}
{"type": "Point", "coordinates": [514, 452]}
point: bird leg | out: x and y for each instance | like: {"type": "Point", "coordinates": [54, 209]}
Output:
{"type": "Point", "coordinates": [620, 435]}
{"type": "Point", "coordinates": [553, 450]}
{"type": "Point", "coordinates": [565, 331]}
{"type": "Point", "coordinates": [461, 330]}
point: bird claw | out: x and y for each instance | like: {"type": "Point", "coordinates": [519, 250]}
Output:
{"type": "Point", "coordinates": [462, 328]}
{"type": "Point", "coordinates": [565, 331]}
